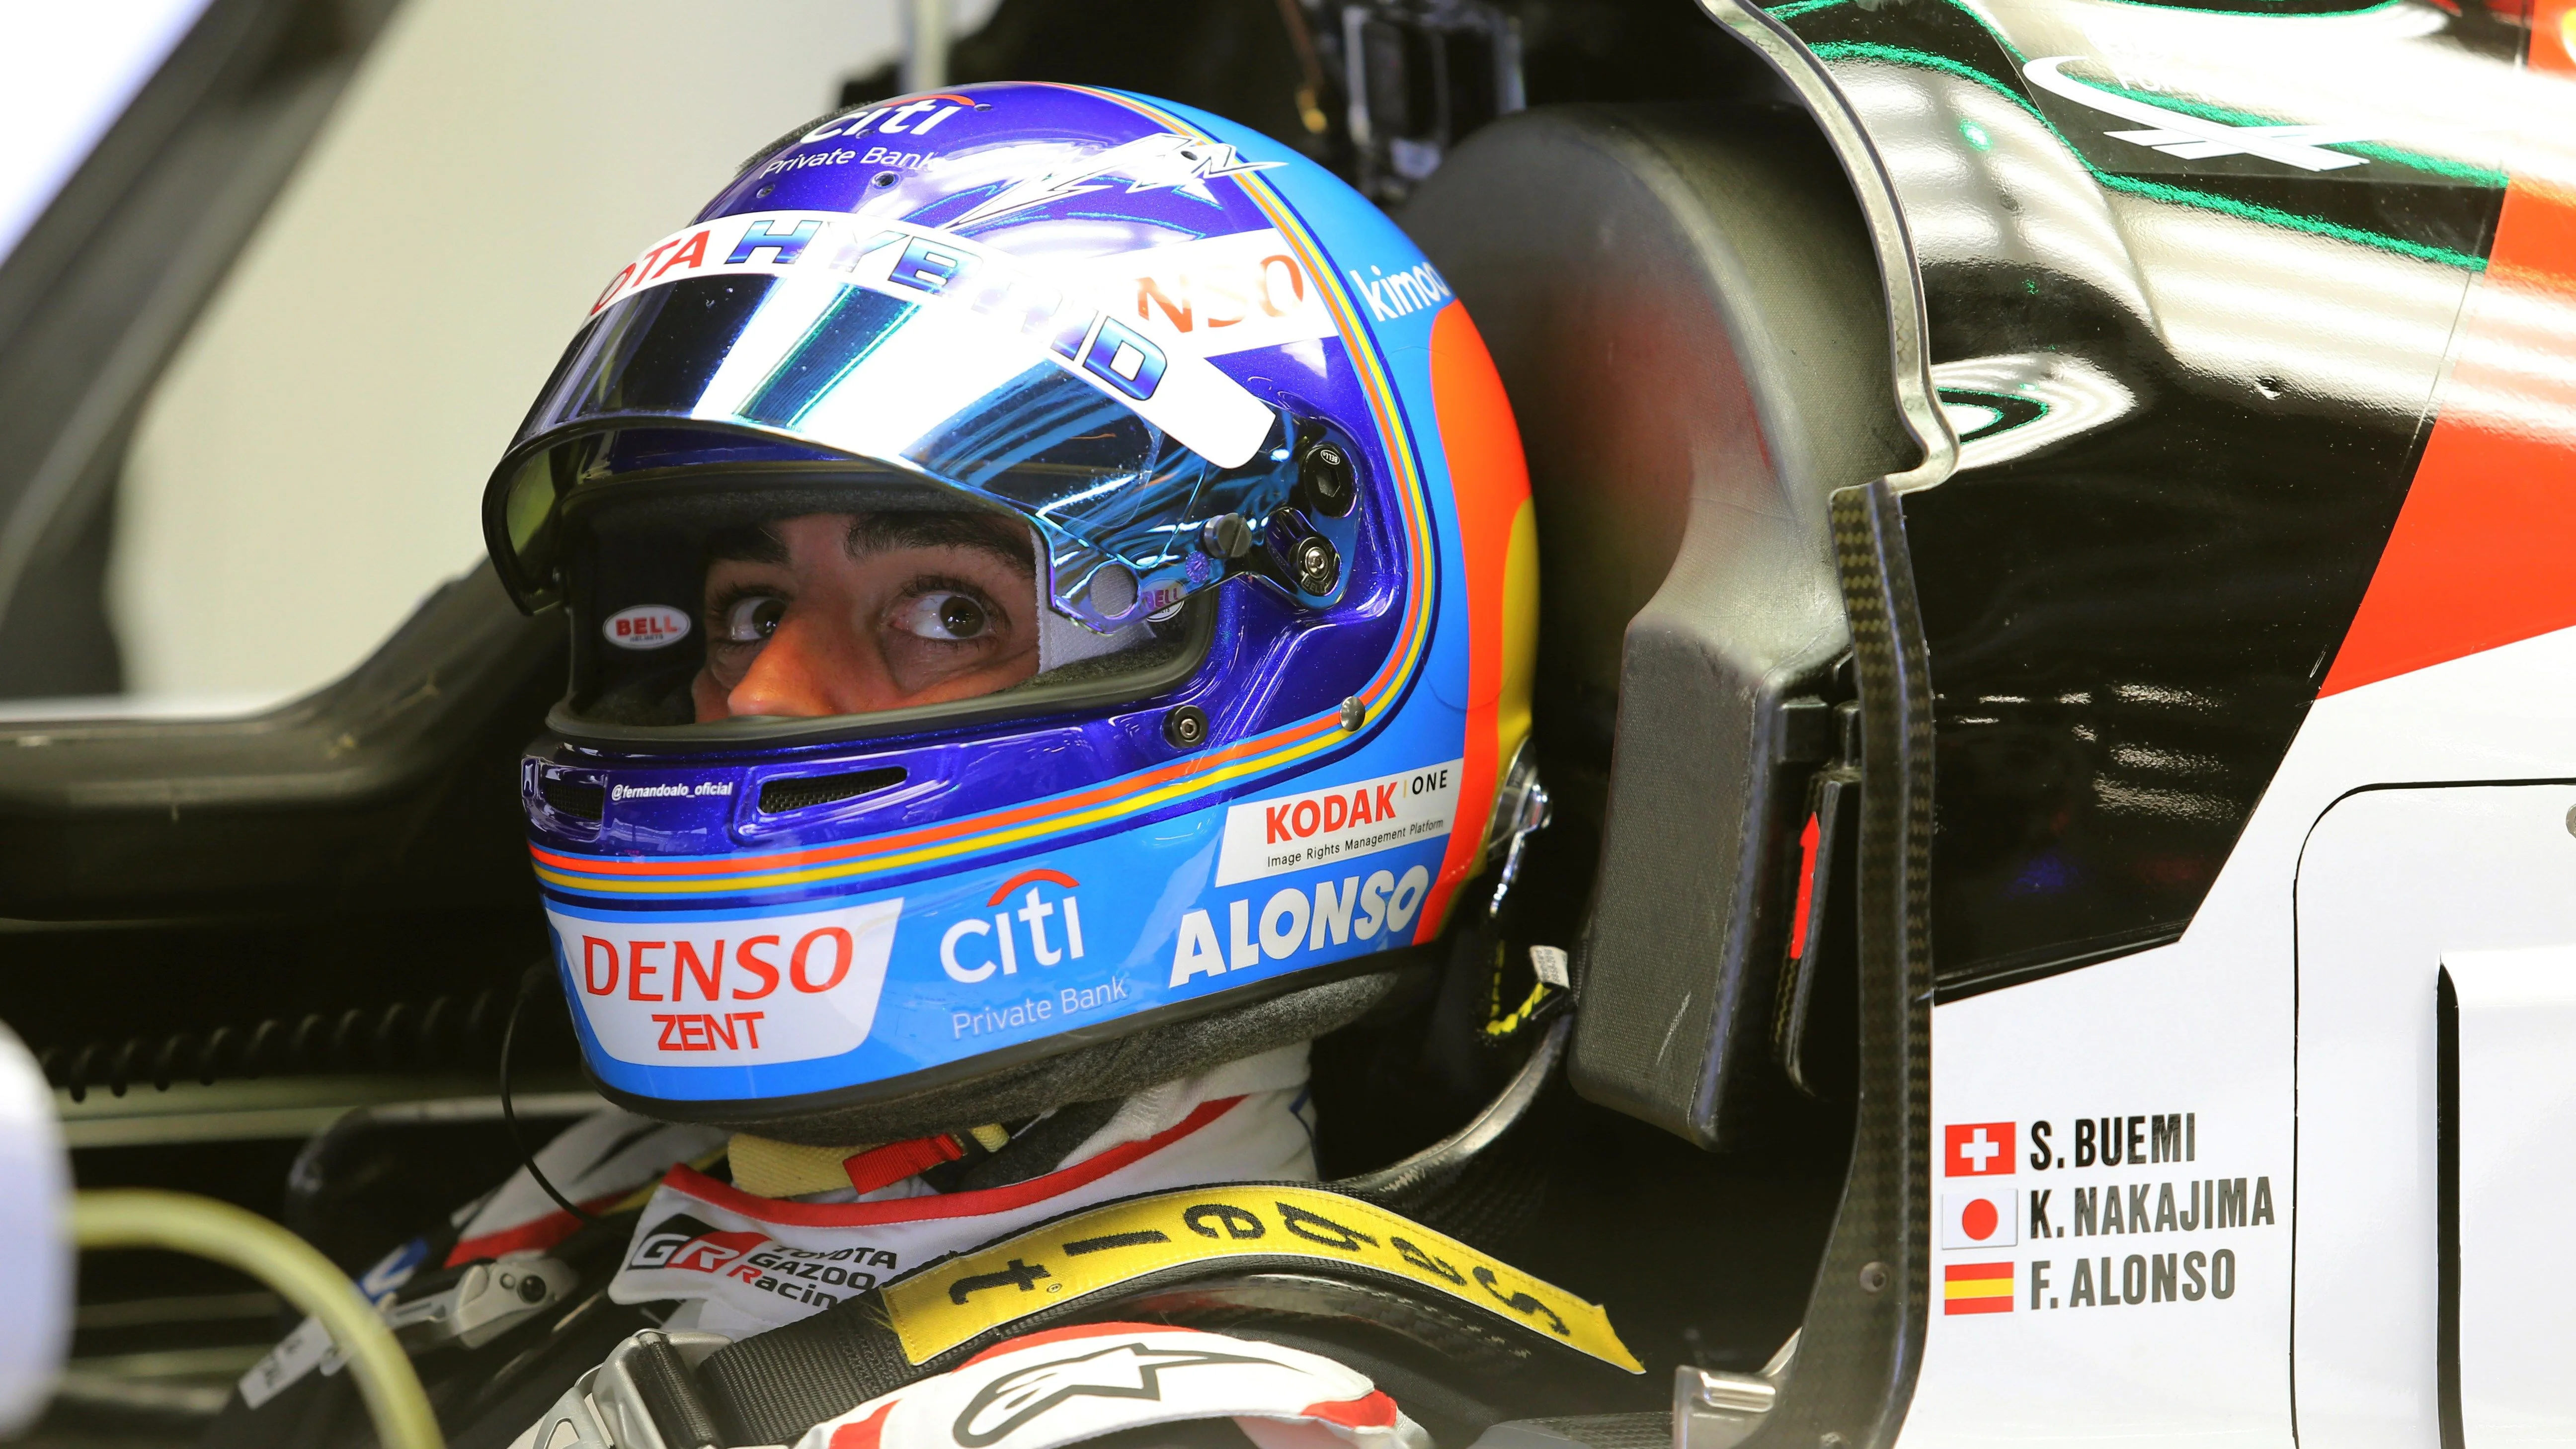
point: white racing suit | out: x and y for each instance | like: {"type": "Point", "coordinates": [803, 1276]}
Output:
{"type": "Point", "coordinates": [686, 1273]}
{"type": "Point", "coordinates": [734, 1264]}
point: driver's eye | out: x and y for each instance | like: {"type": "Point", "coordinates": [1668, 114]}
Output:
{"type": "Point", "coordinates": [751, 620]}
{"type": "Point", "coordinates": [944, 616]}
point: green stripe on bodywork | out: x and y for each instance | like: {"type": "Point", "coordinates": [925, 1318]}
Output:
{"type": "Point", "coordinates": [2154, 190]}
{"type": "Point", "coordinates": [1806, 7]}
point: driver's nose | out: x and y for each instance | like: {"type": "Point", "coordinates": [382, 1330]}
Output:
{"type": "Point", "coordinates": [815, 665]}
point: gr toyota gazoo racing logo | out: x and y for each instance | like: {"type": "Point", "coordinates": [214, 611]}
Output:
{"type": "Point", "coordinates": [684, 1243]}
{"type": "Point", "coordinates": [817, 1277]}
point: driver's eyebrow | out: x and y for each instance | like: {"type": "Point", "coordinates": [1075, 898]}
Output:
{"type": "Point", "coordinates": [748, 543]}
{"type": "Point", "coordinates": [883, 532]}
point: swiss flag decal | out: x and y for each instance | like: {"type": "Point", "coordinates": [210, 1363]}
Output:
{"type": "Point", "coordinates": [1977, 1149]}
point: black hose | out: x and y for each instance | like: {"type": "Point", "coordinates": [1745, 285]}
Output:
{"type": "Point", "coordinates": [529, 984]}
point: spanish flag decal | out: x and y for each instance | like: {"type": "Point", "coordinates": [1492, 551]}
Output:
{"type": "Point", "coordinates": [1977, 1288]}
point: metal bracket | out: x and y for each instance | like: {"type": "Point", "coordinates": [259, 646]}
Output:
{"type": "Point", "coordinates": [606, 1408]}
{"type": "Point", "coordinates": [1713, 1410]}
{"type": "Point", "coordinates": [488, 1301]}
{"type": "Point", "coordinates": [1520, 811]}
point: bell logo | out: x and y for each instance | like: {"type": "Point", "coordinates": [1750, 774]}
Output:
{"type": "Point", "coordinates": [974, 948]}
{"type": "Point", "coordinates": [646, 626]}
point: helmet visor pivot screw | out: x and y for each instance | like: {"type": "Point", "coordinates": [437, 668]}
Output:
{"type": "Point", "coordinates": [1319, 567]}
{"type": "Point", "coordinates": [1113, 592]}
{"type": "Point", "coordinates": [1226, 536]}
{"type": "Point", "coordinates": [1352, 715]}
{"type": "Point", "coordinates": [1186, 728]}
{"type": "Point", "coordinates": [1325, 474]}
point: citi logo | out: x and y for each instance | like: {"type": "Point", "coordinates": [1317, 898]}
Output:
{"type": "Point", "coordinates": [974, 948]}
{"type": "Point", "coordinates": [911, 118]}
{"type": "Point", "coordinates": [1404, 293]}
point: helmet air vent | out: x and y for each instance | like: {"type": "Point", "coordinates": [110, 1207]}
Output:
{"type": "Point", "coordinates": [574, 796]}
{"type": "Point", "coordinates": [804, 792]}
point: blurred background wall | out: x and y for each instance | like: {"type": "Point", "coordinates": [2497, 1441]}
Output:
{"type": "Point", "coordinates": [310, 464]}
{"type": "Point", "coordinates": [278, 278]}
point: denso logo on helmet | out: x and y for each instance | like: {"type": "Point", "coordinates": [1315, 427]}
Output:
{"type": "Point", "coordinates": [754, 990]}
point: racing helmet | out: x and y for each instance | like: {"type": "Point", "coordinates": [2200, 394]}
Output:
{"type": "Point", "coordinates": [1252, 467]}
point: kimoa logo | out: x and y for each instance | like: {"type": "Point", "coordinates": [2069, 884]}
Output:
{"type": "Point", "coordinates": [1401, 295]}
{"type": "Point", "coordinates": [2196, 138]}
{"type": "Point", "coordinates": [995, 946]}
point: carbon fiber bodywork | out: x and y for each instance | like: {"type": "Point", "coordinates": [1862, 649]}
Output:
{"type": "Point", "coordinates": [2188, 277]}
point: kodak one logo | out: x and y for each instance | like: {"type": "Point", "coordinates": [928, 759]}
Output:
{"type": "Point", "coordinates": [1337, 823]}
{"type": "Point", "coordinates": [669, 992]}
{"type": "Point", "coordinates": [1048, 926]}
{"type": "Point", "coordinates": [1300, 819]}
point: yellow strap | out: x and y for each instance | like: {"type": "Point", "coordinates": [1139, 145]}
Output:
{"type": "Point", "coordinates": [945, 1305]}
{"type": "Point", "coordinates": [765, 1167]}
{"type": "Point", "coordinates": [1507, 1025]}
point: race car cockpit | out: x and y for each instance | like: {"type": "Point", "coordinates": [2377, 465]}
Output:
{"type": "Point", "coordinates": [1220, 727]}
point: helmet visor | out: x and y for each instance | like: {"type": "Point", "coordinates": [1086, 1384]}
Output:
{"type": "Point", "coordinates": [945, 362]}
{"type": "Point", "coordinates": [766, 594]}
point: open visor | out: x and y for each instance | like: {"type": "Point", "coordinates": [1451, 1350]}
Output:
{"type": "Point", "coordinates": [675, 578]}
{"type": "Point", "coordinates": [935, 365]}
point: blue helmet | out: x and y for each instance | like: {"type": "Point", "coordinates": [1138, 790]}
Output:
{"type": "Point", "coordinates": [1261, 483]}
